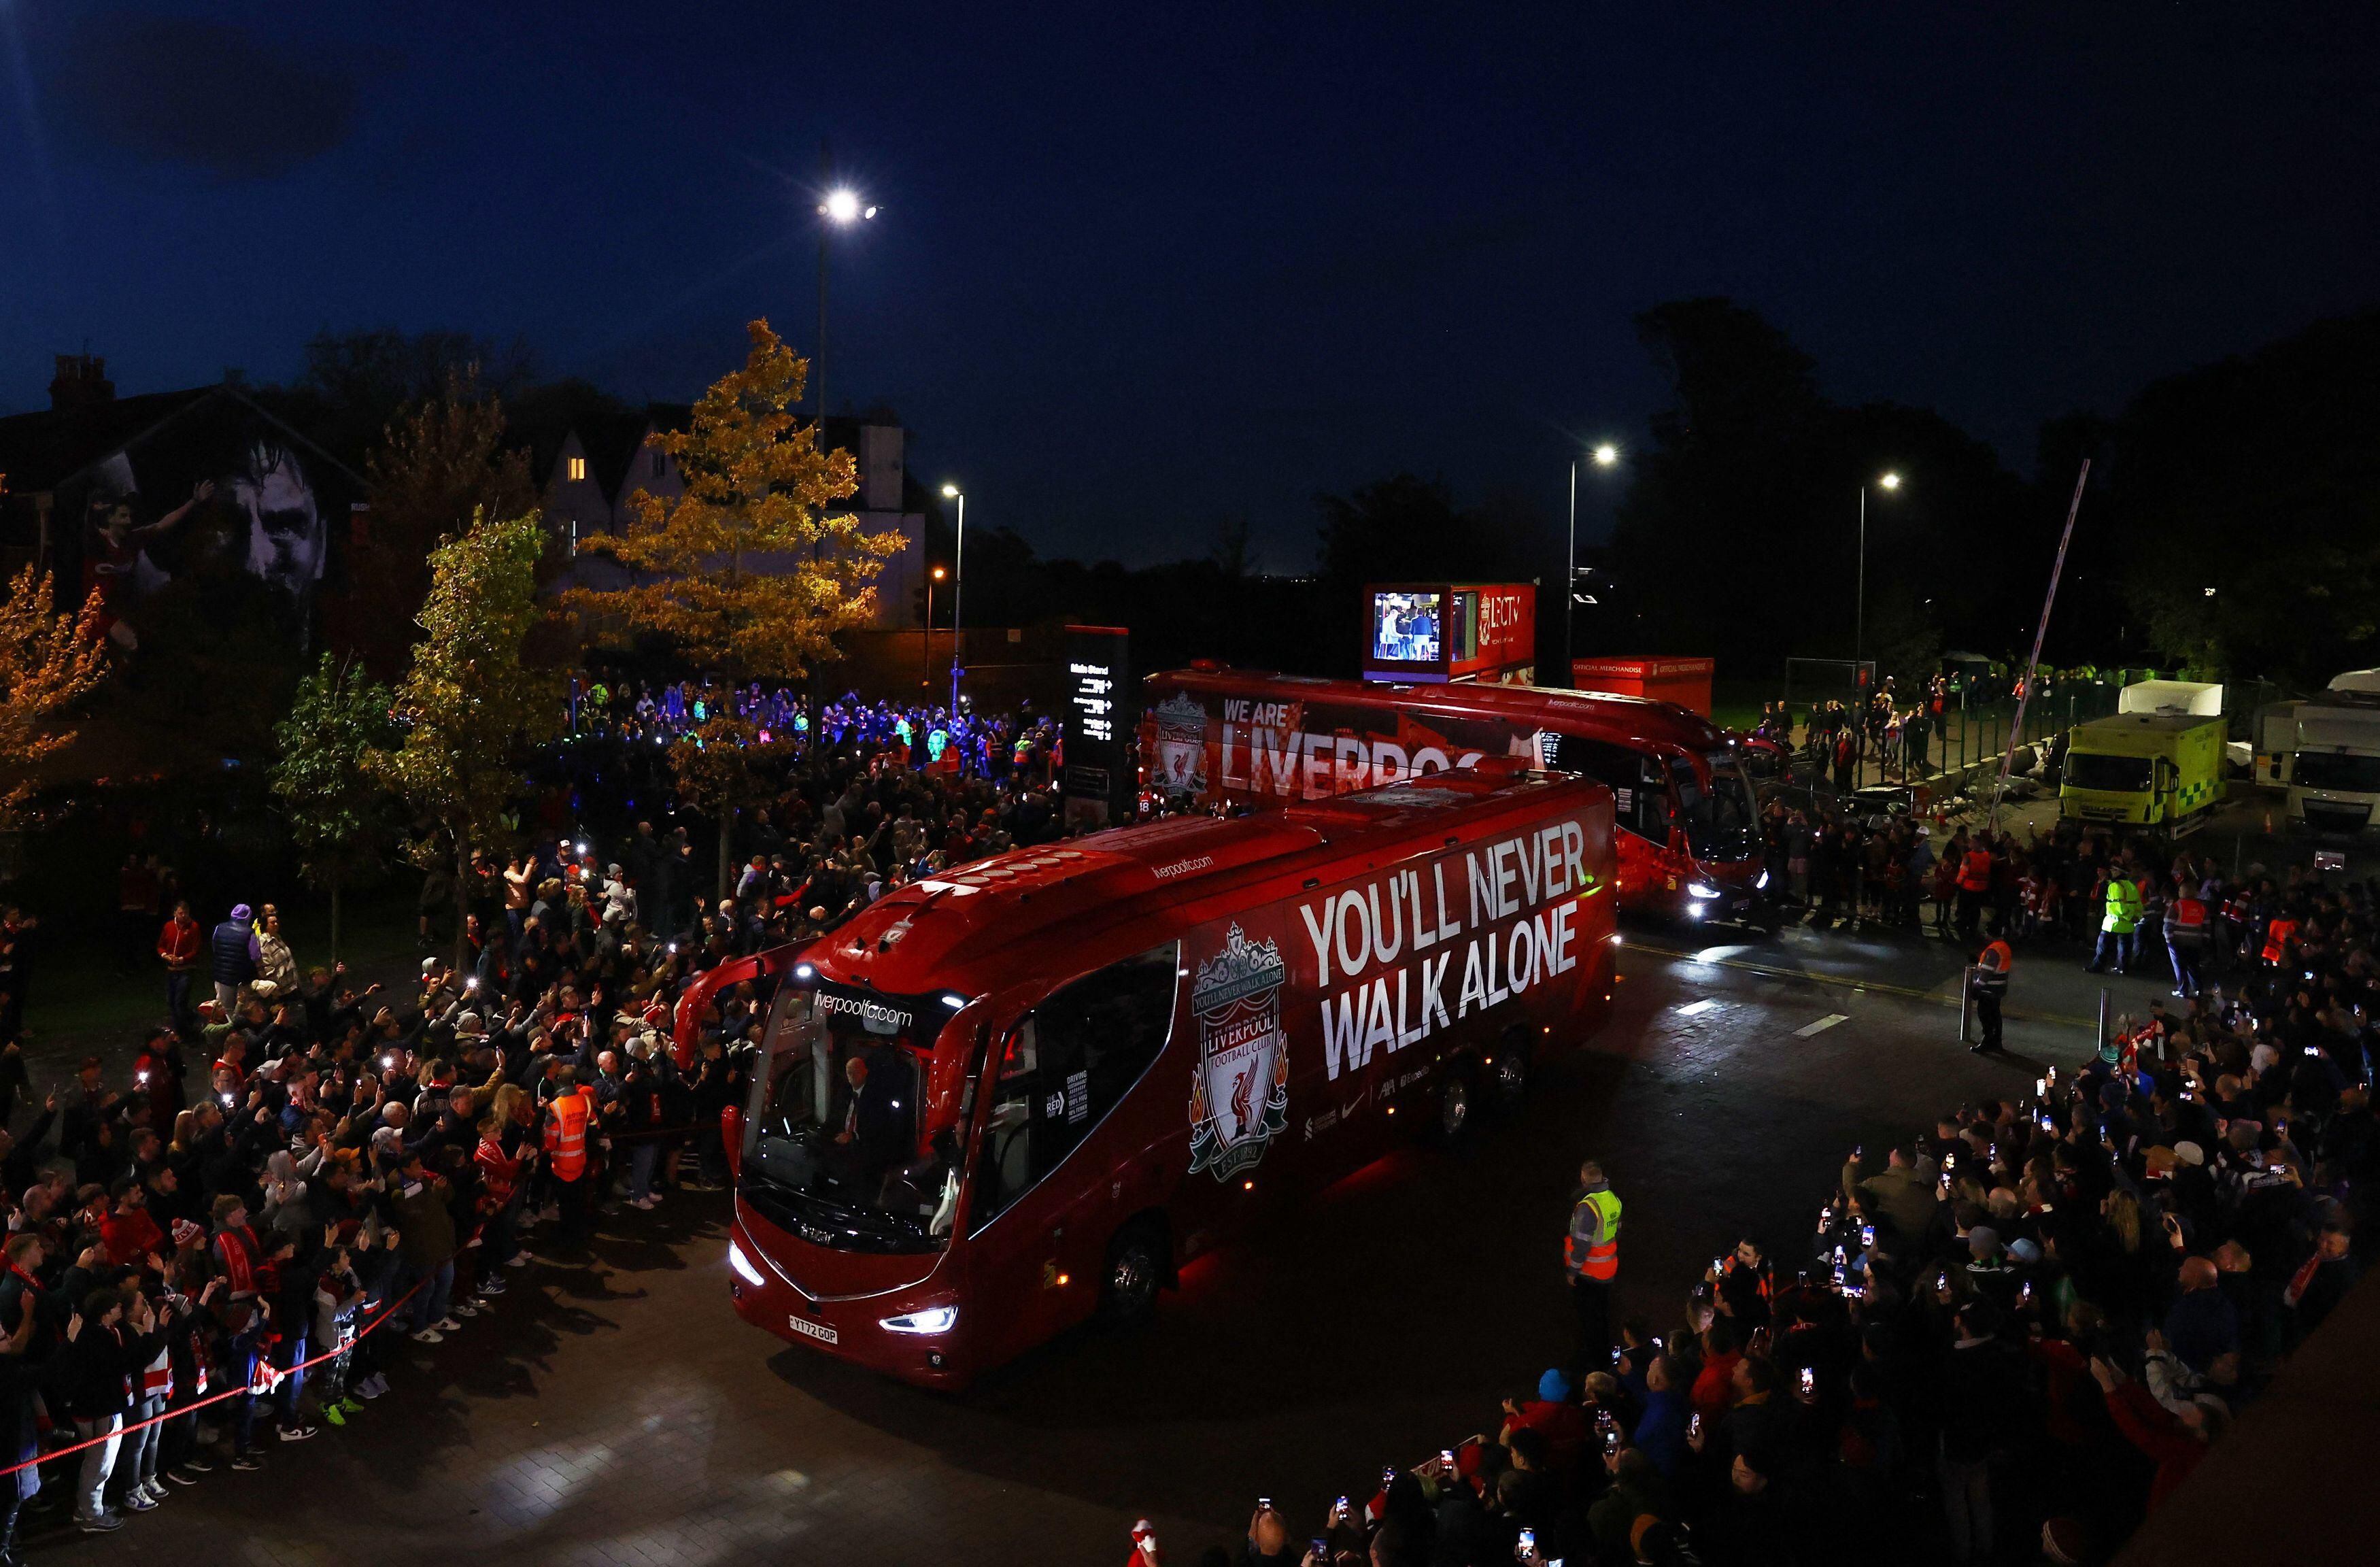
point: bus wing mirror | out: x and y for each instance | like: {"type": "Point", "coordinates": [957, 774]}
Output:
{"type": "Point", "coordinates": [731, 1139]}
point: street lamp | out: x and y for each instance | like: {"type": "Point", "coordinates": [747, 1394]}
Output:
{"type": "Point", "coordinates": [958, 590]}
{"type": "Point", "coordinates": [1605, 456]}
{"type": "Point", "coordinates": [925, 637]}
{"type": "Point", "coordinates": [841, 209]}
{"type": "Point", "coordinates": [1887, 481]}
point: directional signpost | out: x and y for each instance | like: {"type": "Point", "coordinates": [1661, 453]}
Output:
{"type": "Point", "coordinates": [1100, 780]}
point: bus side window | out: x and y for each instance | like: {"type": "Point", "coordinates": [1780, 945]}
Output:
{"type": "Point", "coordinates": [1640, 791]}
{"type": "Point", "coordinates": [1068, 1063]}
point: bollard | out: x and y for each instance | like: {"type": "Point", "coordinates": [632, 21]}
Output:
{"type": "Point", "coordinates": [1966, 993]}
{"type": "Point", "coordinates": [2103, 1017]}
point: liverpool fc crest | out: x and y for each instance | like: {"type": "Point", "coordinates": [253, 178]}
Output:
{"type": "Point", "coordinates": [1182, 743]}
{"type": "Point", "coordinates": [1239, 1096]}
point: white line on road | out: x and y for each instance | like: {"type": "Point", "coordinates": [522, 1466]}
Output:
{"type": "Point", "coordinates": [1691, 1008]}
{"type": "Point", "coordinates": [1821, 1025]}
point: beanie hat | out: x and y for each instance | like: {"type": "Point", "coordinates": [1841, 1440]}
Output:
{"type": "Point", "coordinates": [186, 1233]}
{"type": "Point", "coordinates": [1553, 1387]}
{"type": "Point", "coordinates": [240, 911]}
{"type": "Point", "coordinates": [2189, 1153]}
{"type": "Point", "coordinates": [2025, 1250]}
{"type": "Point", "coordinates": [1982, 1241]}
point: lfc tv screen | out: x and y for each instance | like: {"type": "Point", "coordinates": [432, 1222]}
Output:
{"type": "Point", "coordinates": [1408, 627]}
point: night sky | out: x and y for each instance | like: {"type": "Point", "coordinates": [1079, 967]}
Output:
{"type": "Point", "coordinates": [1142, 267]}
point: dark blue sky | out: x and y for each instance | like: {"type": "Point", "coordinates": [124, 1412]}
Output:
{"type": "Point", "coordinates": [1140, 268]}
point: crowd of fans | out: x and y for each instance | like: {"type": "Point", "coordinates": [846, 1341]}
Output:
{"type": "Point", "coordinates": [2013, 1336]}
{"type": "Point", "coordinates": [928, 737]}
{"type": "Point", "coordinates": [216, 1253]}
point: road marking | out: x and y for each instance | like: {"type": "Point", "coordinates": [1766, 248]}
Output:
{"type": "Point", "coordinates": [1821, 1025]}
{"type": "Point", "coordinates": [1691, 1008]}
{"type": "Point", "coordinates": [1945, 994]}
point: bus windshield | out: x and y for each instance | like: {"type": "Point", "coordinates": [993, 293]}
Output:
{"type": "Point", "coordinates": [1719, 821]}
{"type": "Point", "coordinates": [832, 1152]}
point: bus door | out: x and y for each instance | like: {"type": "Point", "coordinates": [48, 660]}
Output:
{"type": "Point", "coordinates": [1649, 858]}
{"type": "Point", "coordinates": [1052, 1150]}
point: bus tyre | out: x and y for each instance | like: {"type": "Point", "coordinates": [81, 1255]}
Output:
{"type": "Point", "coordinates": [1458, 1101]}
{"type": "Point", "coordinates": [1508, 1076]}
{"type": "Point", "coordinates": [1137, 1265]}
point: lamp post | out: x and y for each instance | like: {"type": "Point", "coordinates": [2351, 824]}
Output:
{"type": "Point", "coordinates": [841, 209]}
{"type": "Point", "coordinates": [1605, 456]}
{"type": "Point", "coordinates": [926, 636]}
{"type": "Point", "coordinates": [1887, 481]}
{"type": "Point", "coordinates": [958, 590]}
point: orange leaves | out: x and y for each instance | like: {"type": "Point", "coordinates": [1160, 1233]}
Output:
{"type": "Point", "coordinates": [48, 662]}
{"type": "Point", "coordinates": [748, 570]}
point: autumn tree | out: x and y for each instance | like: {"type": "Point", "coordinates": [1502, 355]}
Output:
{"type": "Point", "coordinates": [472, 704]}
{"type": "Point", "coordinates": [442, 461]}
{"type": "Point", "coordinates": [337, 807]}
{"type": "Point", "coordinates": [748, 572]}
{"type": "Point", "coordinates": [48, 662]}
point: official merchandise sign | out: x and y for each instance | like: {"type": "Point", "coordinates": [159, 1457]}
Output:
{"type": "Point", "coordinates": [1098, 780]}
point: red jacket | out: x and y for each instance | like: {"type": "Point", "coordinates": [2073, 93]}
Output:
{"type": "Point", "coordinates": [130, 1235]}
{"type": "Point", "coordinates": [181, 943]}
{"type": "Point", "coordinates": [2153, 1429]}
{"type": "Point", "coordinates": [1715, 1388]}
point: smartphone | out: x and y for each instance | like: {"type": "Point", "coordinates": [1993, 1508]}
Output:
{"type": "Point", "coordinates": [1809, 1381]}
{"type": "Point", "coordinates": [1867, 1236]}
{"type": "Point", "coordinates": [1527, 1546]}
{"type": "Point", "coordinates": [1694, 1425]}
{"type": "Point", "coordinates": [1321, 1548]}
{"type": "Point", "coordinates": [1446, 1456]}
{"type": "Point", "coordinates": [1610, 1442]}
{"type": "Point", "coordinates": [1343, 1510]}
{"type": "Point", "coordinates": [1264, 1504]}
{"type": "Point", "coordinates": [1388, 1476]}
{"type": "Point", "coordinates": [2041, 1088]}
{"type": "Point", "coordinates": [2024, 1293]}
{"type": "Point", "coordinates": [1719, 1265]}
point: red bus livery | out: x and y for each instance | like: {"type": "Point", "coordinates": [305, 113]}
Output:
{"type": "Point", "coordinates": [1001, 1098]}
{"type": "Point", "coordinates": [1690, 841]}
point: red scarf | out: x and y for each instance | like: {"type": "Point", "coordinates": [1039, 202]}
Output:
{"type": "Point", "coordinates": [2303, 1280]}
{"type": "Point", "coordinates": [237, 1249]}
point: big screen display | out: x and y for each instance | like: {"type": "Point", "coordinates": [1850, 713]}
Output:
{"type": "Point", "coordinates": [1408, 627]}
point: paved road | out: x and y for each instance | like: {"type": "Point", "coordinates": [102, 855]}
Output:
{"type": "Point", "coordinates": [621, 1414]}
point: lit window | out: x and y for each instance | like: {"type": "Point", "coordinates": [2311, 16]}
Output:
{"type": "Point", "coordinates": [578, 467]}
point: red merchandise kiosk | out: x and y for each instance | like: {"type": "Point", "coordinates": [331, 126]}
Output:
{"type": "Point", "coordinates": [1686, 682]}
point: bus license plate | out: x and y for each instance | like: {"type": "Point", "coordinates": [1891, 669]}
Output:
{"type": "Point", "coordinates": [818, 1331]}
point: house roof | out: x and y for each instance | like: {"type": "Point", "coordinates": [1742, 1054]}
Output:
{"type": "Point", "coordinates": [42, 449]}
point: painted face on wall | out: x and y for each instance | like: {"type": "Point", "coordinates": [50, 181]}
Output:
{"type": "Point", "coordinates": [285, 528]}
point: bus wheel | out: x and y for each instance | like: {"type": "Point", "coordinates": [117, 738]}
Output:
{"type": "Point", "coordinates": [1509, 1076]}
{"type": "Point", "coordinates": [1135, 1267]}
{"type": "Point", "coordinates": [1456, 1100]}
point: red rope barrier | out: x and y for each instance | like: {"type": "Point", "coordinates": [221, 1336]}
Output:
{"type": "Point", "coordinates": [272, 1377]}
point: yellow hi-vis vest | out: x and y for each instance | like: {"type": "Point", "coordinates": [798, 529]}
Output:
{"type": "Point", "coordinates": [1600, 1259]}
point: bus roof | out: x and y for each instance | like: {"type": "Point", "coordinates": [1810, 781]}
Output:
{"type": "Point", "coordinates": [1637, 721]}
{"type": "Point", "coordinates": [962, 930]}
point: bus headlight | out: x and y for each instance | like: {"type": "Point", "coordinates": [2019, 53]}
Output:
{"type": "Point", "coordinates": [1697, 890]}
{"type": "Point", "coordinates": [933, 1319]}
{"type": "Point", "coordinates": [1694, 911]}
{"type": "Point", "coordinates": [743, 1264]}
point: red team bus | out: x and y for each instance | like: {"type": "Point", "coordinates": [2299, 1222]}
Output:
{"type": "Point", "coordinates": [1003, 1097]}
{"type": "Point", "coordinates": [1689, 843]}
